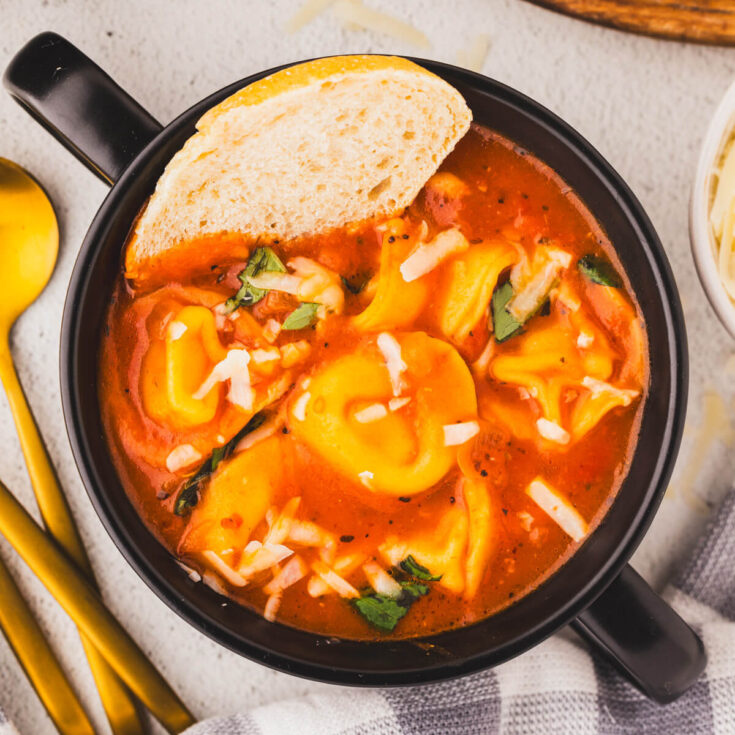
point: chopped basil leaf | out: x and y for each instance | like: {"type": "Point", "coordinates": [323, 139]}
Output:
{"type": "Point", "coordinates": [188, 496]}
{"type": "Point", "coordinates": [412, 567]}
{"type": "Point", "coordinates": [383, 611]}
{"type": "Point", "coordinates": [380, 611]}
{"type": "Point", "coordinates": [416, 589]}
{"type": "Point", "coordinates": [504, 324]}
{"type": "Point", "coordinates": [302, 317]}
{"type": "Point", "coordinates": [599, 270]}
{"type": "Point", "coordinates": [263, 260]}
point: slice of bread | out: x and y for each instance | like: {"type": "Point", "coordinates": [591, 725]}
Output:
{"type": "Point", "coordinates": [312, 147]}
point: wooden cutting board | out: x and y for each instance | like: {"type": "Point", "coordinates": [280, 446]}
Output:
{"type": "Point", "coordinates": [700, 21]}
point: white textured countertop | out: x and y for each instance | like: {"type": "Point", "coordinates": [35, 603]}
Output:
{"type": "Point", "coordinates": [643, 103]}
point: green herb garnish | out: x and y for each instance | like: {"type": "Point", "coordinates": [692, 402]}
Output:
{"type": "Point", "coordinates": [301, 317]}
{"type": "Point", "coordinates": [599, 270]}
{"type": "Point", "coordinates": [505, 325]}
{"type": "Point", "coordinates": [263, 260]}
{"type": "Point", "coordinates": [383, 611]}
{"type": "Point", "coordinates": [412, 567]}
{"type": "Point", "coordinates": [189, 494]}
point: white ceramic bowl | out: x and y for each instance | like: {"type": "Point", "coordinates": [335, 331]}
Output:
{"type": "Point", "coordinates": [720, 130]}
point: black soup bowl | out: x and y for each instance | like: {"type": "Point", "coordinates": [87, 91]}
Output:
{"type": "Point", "coordinates": [595, 591]}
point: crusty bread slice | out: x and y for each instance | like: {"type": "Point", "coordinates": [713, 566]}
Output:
{"type": "Point", "coordinates": [312, 147]}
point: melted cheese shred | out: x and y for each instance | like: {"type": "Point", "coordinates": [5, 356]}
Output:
{"type": "Point", "coordinates": [558, 508]}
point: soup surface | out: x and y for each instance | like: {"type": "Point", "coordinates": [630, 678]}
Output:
{"type": "Point", "coordinates": [396, 428]}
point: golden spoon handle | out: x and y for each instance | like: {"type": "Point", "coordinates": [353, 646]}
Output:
{"type": "Point", "coordinates": [38, 660]}
{"type": "Point", "coordinates": [84, 606]}
{"type": "Point", "coordinates": [119, 706]}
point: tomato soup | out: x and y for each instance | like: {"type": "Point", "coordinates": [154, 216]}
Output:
{"type": "Point", "coordinates": [395, 428]}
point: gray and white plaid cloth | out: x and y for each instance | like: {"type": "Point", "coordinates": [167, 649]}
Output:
{"type": "Point", "coordinates": [557, 687]}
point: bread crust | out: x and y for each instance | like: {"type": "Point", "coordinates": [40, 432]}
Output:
{"type": "Point", "coordinates": [312, 147]}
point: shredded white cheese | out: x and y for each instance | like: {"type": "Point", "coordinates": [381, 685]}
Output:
{"type": "Point", "coordinates": [380, 580]}
{"type": "Point", "coordinates": [299, 406]}
{"type": "Point", "coordinates": [456, 434]}
{"type": "Point", "coordinates": [396, 404]}
{"type": "Point", "coordinates": [558, 509]}
{"type": "Point", "coordinates": [261, 356]}
{"type": "Point", "coordinates": [306, 13]}
{"type": "Point", "coordinates": [273, 281]}
{"type": "Point", "coordinates": [480, 366]}
{"type": "Point", "coordinates": [366, 478]}
{"type": "Point", "coordinates": [552, 431]}
{"type": "Point", "coordinates": [254, 437]}
{"type": "Point", "coordinates": [428, 255]}
{"type": "Point", "coordinates": [223, 569]}
{"type": "Point", "coordinates": [235, 369]}
{"type": "Point", "coordinates": [341, 586]}
{"type": "Point", "coordinates": [585, 339]}
{"type": "Point", "coordinates": [473, 57]}
{"type": "Point", "coordinates": [373, 412]}
{"type": "Point", "coordinates": [176, 330]}
{"type": "Point", "coordinates": [391, 350]}
{"type": "Point", "coordinates": [183, 456]}
{"type": "Point", "coordinates": [354, 13]}
{"type": "Point", "coordinates": [271, 330]}
{"type": "Point", "coordinates": [598, 387]}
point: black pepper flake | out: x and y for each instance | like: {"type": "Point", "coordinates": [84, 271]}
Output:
{"type": "Point", "coordinates": [405, 237]}
{"type": "Point", "coordinates": [501, 201]}
{"type": "Point", "coordinates": [347, 538]}
{"type": "Point", "coordinates": [404, 499]}
{"type": "Point", "coordinates": [326, 344]}
{"type": "Point", "coordinates": [284, 430]}
{"type": "Point", "coordinates": [476, 241]}
{"type": "Point", "coordinates": [505, 511]}
{"type": "Point", "coordinates": [391, 239]}
{"type": "Point", "coordinates": [525, 196]}
{"type": "Point", "coordinates": [472, 334]}
{"type": "Point", "coordinates": [452, 500]}
{"type": "Point", "coordinates": [213, 267]}
{"type": "Point", "coordinates": [483, 473]}
{"type": "Point", "coordinates": [367, 535]}
{"type": "Point", "coordinates": [127, 390]}
{"type": "Point", "coordinates": [221, 277]}
{"type": "Point", "coordinates": [544, 207]}
{"type": "Point", "coordinates": [390, 521]}
{"type": "Point", "coordinates": [511, 595]}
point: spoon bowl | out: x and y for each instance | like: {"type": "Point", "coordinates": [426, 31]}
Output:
{"type": "Point", "coordinates": [29, 242]}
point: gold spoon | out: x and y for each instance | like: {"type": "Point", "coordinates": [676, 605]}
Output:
{"type": "Point", "coordinates": [85, 607]}
{"type": "Point", "coordinates": [29, 244]}
{"type": "Point", "coordinates": [38, 660]}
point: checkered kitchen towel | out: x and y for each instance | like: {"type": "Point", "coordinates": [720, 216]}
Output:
{"type": "Point", "coordinates": [556, 687]}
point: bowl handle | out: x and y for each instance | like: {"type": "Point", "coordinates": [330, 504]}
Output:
{"type": "Point", "coordinates": [643, 637]}
{"type": "Point", "coordinates": [79, 104]}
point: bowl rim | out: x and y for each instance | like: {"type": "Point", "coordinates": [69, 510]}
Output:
{"type": "Point", "coordinates": [720, 129]}
{"type": "Point", "coordinates": [484, 656]}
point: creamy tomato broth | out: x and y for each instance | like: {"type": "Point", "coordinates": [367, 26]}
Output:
{"type": "Point", "coordinates": [396, 428]}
